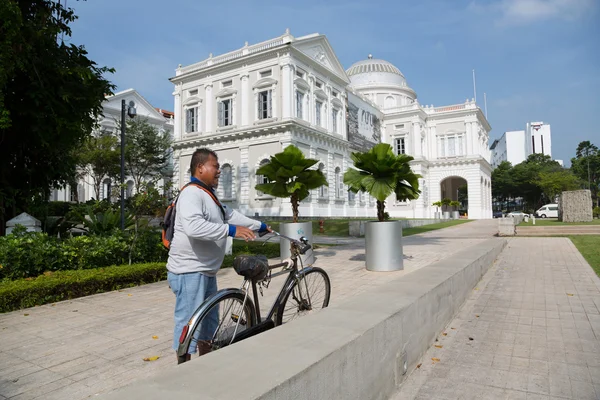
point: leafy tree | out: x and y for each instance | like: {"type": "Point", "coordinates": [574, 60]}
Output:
{"type": "Point", "coordinates": [586, 165]}
{"type": "Point", "coordinates": [446, 203]}
{"type": "Point", "coordinates": [555, 182]}
{"type": "Point", "coordinates": [503, 184]}
{"type": "Point", "coordinates": [99, 158]}
{"type": "Point", "coordinates": [380, 173]}
{"type": "Point", "coordinates": [50, 96]}
{"type": "Point", "coordinates": [147, 151]}
{"type": "Point", "coordinates": [289, 176]}
{"type": "Point", "coordinates": [526, 177]}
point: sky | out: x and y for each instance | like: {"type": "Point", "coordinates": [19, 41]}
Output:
{"type": "Point", "coordinates": [536, 60]}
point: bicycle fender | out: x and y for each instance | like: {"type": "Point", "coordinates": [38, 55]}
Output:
{"type": "Point", "coordinates": [203, 309]}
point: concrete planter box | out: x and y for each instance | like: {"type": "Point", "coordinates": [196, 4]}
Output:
{"type": "Point", "coordinates": [296, 230]}
{"type": "Point", "coordinates": [383, 246]}
{"type": "Point", "coordinates": [356, 228]}
{"type": "Point", "coordinates": [455, 215]}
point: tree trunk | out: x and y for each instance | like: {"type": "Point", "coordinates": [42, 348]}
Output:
{"type": "Point", "coordinates": [294, 200]}
{"type": "Point", "coordinates": [380, 210]}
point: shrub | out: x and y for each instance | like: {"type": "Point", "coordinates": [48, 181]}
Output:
{"type": "Point", "coordinates": [64, 285]}
{"type": "Point", "coordinates": [596, 212]}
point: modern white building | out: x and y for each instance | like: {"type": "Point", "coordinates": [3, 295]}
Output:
{"type": "Point", "coordinates": [108, 122]}
{"type": "Point", "coordinates": [516, 146]}
{"type": "Point", "coordinates": [251, 103]}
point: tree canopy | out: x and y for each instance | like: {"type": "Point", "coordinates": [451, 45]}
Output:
{"type": "Point", "coordinates": [50, 96]}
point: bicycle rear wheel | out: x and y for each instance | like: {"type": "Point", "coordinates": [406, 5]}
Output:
{"type": "Point", "coordinates": [221, 320]}
{"type": "Point", "coordinates": [309, 293]}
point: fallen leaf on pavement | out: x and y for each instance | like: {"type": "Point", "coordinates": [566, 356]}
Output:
{"type": "Point", "coordinates": [154, 337]}
{"type": "Point", "coordinates": [444, 333]}
{"type": "Point", "coordinates": [418, 366]}
{"type": "Point", "coordinates": [439, 346]}
{"type": "Point", "coordinates": [470, 338]}
{"type": "Point", "coordinates": [476, 316]}
{"type": "Point", "coordinates": [435, 359]}
{"type": "Point", "coordinates": [153, 358]}
{"type": "Point", "coordinates": [453, 329]}
{"type": "Point", "coordinates": [129, 294]}
{"type": "Point", "coordinates": [569, 294]}
{"type": "Point", "coordinates": [26, 315]}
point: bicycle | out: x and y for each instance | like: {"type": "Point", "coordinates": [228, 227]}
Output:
{"type": "Point", "coordinates": [229, 315]}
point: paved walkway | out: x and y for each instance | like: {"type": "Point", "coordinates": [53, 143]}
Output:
{"type": "Point", "coordinates": [556, 230]}
{"type": "Point", "coordinates": [530, 330]}
{"type": "Point", "coordinates": [82, 347]}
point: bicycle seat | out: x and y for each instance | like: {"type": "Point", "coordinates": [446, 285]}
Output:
{"type": "Point", "coordinates": [251, 267]}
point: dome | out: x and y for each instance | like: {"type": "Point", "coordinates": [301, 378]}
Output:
{"type": "Point", "coordinates": [375, 72]}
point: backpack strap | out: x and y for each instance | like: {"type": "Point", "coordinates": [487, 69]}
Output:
{"type": "Point", "coordinates": [208, 191]}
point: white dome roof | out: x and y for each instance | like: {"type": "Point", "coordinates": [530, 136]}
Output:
{"type": "Point", "coordinates": [374, 72]}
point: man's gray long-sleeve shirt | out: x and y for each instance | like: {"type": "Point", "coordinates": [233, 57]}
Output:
{"type": "Point", "coordinates": [201, 232]}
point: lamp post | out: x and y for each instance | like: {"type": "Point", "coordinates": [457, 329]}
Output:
{"type": "Point", "coordinates": [131, 112]}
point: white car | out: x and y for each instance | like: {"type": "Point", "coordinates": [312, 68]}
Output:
{"type": "Point", "coordinates": [548, 211]}
{"type": "Point", "coordinates": [517, 213]}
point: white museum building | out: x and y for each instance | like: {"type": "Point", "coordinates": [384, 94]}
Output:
{"type": "Point", "coordinates": [251, 103]}
{"type": "Point", "coordinates": [516, 146]}
{"type": "Point", "coordinates": [108, 122]}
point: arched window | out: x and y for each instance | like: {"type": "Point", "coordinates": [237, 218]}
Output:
{"type": "Point", "coordinates": [106, 189]}
{"type": "Point", "coordinates": [323, 189]}
{"type": "Point", "coordinates": [389, 102]}
{"type": "Point", "coordinates": [261, 178]}
{"type": "Point", "coordinates": [129, 191]}
{"type": "Point", "coordinates": [226, 181]}
{"type": "Point", "coordinates": [339, 185]}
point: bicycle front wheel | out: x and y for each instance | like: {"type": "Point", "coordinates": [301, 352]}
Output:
{"type": "Point", "coordinates": [309, 293]}
{"type": "Point", "coordinates": [222, 319]}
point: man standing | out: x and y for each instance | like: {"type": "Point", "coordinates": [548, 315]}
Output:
{"type": "Point", "coordinates": [202, 226]}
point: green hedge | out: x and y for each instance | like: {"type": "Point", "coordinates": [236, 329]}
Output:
{"type": "Point", "coordinates": [64, 285]}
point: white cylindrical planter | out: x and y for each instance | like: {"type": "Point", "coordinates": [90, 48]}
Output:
{"type": "Point", "coordinates": [383, 246]}
{"type": "Point", "coordinates": [437, 215]}
{"type": "Point", "coordinates": [446, 214]}
{"type": "Point", "coordinates": [455, 215]}
{"type": "Point", "coordinates": [296, 230]}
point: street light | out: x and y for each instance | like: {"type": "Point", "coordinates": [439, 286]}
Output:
{"type": "Point", "coordinates": [131, 112]}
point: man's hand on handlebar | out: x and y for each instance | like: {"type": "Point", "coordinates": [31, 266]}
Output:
{"type": "Point", "coordinates": [244, 233]}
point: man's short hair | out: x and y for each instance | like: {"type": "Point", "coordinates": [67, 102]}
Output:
{"type": "Point", "coordinates": [199, 157]}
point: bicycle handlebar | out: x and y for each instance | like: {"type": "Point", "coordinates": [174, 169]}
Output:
{"type": "Point", "coordinates": [302, 244]}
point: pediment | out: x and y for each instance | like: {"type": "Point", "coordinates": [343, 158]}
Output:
{"type": "Point", "coordinates": [142, 106]}
{"type": "Point", "coordinates": [192, 100]}
{"type": "Point", "coordinates": [226, 92]}
{"type": "Point", "coordinates": [319, 50]}
{"type": "Point", "coordinates": [264, 82]}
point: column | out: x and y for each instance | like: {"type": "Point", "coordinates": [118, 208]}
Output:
{"type": "Point", "coordinates": [178, 113]}
{"type": "Point", "coordinates": [286, 91]}
{"type": "Point", "coordinates": [208, 97]}
{"type": "Point", "coordinates": [418, 150]}
{"type": "Point", "coordinates": [475, 136]}
{"type": "Point", "coordinates": [469, 139]}
{"type": "Point", "coordinates": [244, 196]}
{"type": "Point", "coordinates": [244, 99]}
{"type": "Point", "coordinates": [433, 143]}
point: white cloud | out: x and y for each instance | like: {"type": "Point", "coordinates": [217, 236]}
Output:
{"type": "Point", "coordinates": [519, 12]}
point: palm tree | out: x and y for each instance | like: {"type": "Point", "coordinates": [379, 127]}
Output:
{"type": "Point", "coordinates": [380, 173]}
{"type": "Point", "coordinates": [289, 175]}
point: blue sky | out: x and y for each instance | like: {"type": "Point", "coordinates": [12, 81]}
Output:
{"type": "Point", "coordinates": [537, 60]}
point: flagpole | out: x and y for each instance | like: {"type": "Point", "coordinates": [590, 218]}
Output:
{"type": "Point", "coordinates": [474, 88]}
{"type": "Point", "coordinates": [485, 104]}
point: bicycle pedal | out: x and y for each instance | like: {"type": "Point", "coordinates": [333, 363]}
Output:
{"type": "Point", "coordinates": [235, 318]}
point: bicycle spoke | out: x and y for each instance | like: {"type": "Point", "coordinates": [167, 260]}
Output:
{"type": "Point", "coordinates": [309, 294]}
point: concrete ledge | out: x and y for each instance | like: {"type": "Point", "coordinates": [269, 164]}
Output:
{"type": "Point", "coordinates": [353, 350]}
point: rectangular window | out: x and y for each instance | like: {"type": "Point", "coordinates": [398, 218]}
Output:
{"type": "Point", "coordinates": [264, 105]}
{"type": "Point", "coordinates": [318, 107]}
{"type": "Point", "coordinates": [399, 146]}
{"type": "Point", "coordinates": [193, 92]}
{"type": "Point", "coordinates": [334, 119]}
{"type": "Point", "coordinates": [542, 139]}
{"type": "Point", "coordinates": [299, 73]}
{"type": "Point", "coordinates": [533, 143]}
{"type": "Point", "coordinates": [459, 149]}
{"type": "Point", "coordinates": [225, 113]}
{"type": "Point", "coordinates": [228, 83]}
{"type": "Point", "coordinates": [451, 146]}
{"type": "Point", "coordinates": [319, 85]}
{"type": "Point", "coordinates": [266, 73]}
{"type": "Point", "coordinates": [191, 120]}
{"type": "Point", "coordinates": [442, 147]}
{"type": "Point", "coordinates": [399, 126]}
{"type": "Point", "coordinates": [299, 104]}
{"type": "Point", "coordinates": [351, 196]}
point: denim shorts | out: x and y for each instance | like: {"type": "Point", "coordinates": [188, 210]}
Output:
{"type": "Point", "coordinates": [191, 289]}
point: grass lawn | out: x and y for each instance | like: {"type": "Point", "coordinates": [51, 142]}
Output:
{"type": "Point", "coordinates": [556, 222]}
{"type": "Point", "coordinates": [339, 227]}
{"type": "Point", "coordinates": [589, 247]}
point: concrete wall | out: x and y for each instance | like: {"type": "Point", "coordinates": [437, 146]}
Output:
{"type": "Point", "coordinates": [353, 350]}
{"type": "Point", "coordinates": [575, 206]}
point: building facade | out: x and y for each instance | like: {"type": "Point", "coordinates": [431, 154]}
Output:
{"type": "Point", "coordinates": [253, 102]}
{"type": "Point", "coordinates": [108, 122]}
{"type": "Point", "coordinates": [516, 146]}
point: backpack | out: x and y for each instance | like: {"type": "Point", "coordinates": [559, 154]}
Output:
{"type": "Point", "coordinates": [168, 225]}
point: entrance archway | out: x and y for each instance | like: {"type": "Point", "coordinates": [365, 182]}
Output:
{"type": "Point", "coordinates": [455, 188]}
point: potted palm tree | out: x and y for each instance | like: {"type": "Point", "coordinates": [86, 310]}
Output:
{"type": "Point", "coordinates": [437, 214]}
{"type": "Point", "coordinates": [380, 173]}
{"type": "Point", "coordinates": [289, 175]}
{"type": "Point", "coordinates": [455, 213]}
{"type": "Point", "coordinates": [446, 203]}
